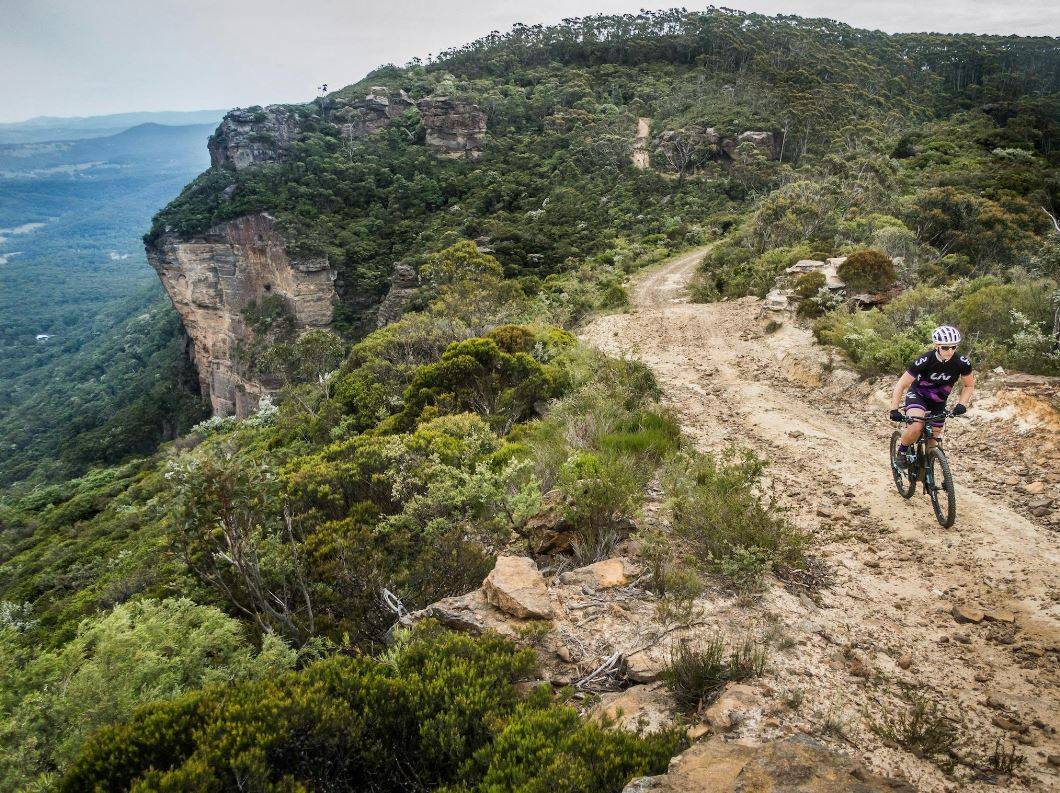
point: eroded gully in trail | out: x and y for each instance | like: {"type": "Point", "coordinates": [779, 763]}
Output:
{"type": "Point", "coordinates": [897, 575]}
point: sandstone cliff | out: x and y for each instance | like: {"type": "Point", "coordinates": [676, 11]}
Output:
{"type": "Point", "coordinates": [213, 277]}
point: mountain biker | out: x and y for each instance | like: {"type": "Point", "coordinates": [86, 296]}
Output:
{"type": "Point", "coordinates": [926, 385]}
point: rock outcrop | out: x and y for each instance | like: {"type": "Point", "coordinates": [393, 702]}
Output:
{"type": "Point", "coordinates": [793, 764]}
{"type": "Point", "coordinates": [455, 129]}
{"type": "Point", "coordinates": [252, 136]}
{"type": "Point", "coordinates": [779, 297]}
{"type": "Point", "coordinates": [360, 117]}
{"type": "Point", "coordinates": [211, 278]}
{"type": "Point", "coordinates": [403, 283]}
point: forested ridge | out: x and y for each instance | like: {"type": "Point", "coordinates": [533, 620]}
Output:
{"type": "Point", "coordinates": [212, 613]}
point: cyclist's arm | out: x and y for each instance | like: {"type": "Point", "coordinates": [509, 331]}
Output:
{"type": "Point", "coordinates": [900, 388]}
{"type": "Point", "coordinates": [967, 389]}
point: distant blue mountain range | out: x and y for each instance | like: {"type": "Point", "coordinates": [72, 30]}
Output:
{"type": "Point", "coordinates": [48, 128]}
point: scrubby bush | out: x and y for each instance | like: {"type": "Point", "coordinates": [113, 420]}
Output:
{"type": "Point", "coordinates": [808, 285]}
{"type": "Point", "coordinates": [697, 672]}
{"type": "Point", "coordinates": [140, 652]}
{"type": "Point", "coordinates": [440, 709]}
{"type": "Point", "coordinates": [717, 514]}
{"type": "Point", "coordinates": [729, 271]}
{"type": "Point", "coordinates": [867, 270]}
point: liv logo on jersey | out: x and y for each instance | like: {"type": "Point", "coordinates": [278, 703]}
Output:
{"type": "Point", "coordinates": [933, 379]}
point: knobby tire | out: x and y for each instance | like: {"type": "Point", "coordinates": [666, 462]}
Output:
{"type": "Point", "coordinates": [943, 497]}
{"type": "Point", "coordinates": [904, 481]}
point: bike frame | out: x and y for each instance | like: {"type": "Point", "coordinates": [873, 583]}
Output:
{"type": "Point", "coordinates": [925, 474]}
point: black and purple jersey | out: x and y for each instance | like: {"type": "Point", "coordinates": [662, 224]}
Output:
{"type": "Point", "coordinates": [933, 379]}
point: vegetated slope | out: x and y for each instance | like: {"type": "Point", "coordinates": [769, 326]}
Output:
{"type": "Point", "coordinates": [73, 268]}
{"type": "Point", "coordinates": [561, 102]}
{"type": "Point", "coordinates": [410, 461]}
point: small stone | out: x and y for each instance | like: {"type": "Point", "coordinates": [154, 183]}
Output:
{"type": "Point", "coordinates": [999, 615]}
{"type": "Point", "coordinates": [1054, 760]}
{"type": "Point", "coordinates": [967, 614]}
{"type": "Point", "coordinates": [1006, 724]}
{"type": "Point", "coordinates": [564, 654]}
{"type": "Point", "coordinates": [642, 667]}
{"type": "Point", "coordinates": [1034, 488]}
{"type": "Point", "coordinates": [1027, 739]}
{"type": "Point", "coordinates": [963, 638]}
{"type": "Point", "coordinates": [873, 563]}
{"type": "Point", "coordinates": [982, 677]}
{"type": "Point", "coordinates": [994, 702]}
{"type": "Point", "coordinates": [905, 661]}
{"type": "Point", "coordinates": [731, 707]}
{"type": "Point", "coordinates": [606, 574]}
{"type": "Point", "coordinates": [697, 731]}
{"type": "Point", "coordinates": [859, 667]}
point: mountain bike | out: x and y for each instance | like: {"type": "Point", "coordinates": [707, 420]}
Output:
{"type": "Point", "coordinates": [929, 466]}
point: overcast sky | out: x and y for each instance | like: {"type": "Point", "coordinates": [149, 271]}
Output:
{"type": "Point", "coordinates": [91, 57]}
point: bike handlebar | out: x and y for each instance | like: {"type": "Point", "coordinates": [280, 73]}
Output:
{"type": "Point", "coordinates": [945, 414]}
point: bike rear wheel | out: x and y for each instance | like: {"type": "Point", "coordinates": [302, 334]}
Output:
{"type": "Point", "coordinates": [904, 480]}
{"type": "Point", "coordinates": [939, 484]}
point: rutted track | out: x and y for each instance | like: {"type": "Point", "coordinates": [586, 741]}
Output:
{"type": "Point", "coordinates": [898, 575]}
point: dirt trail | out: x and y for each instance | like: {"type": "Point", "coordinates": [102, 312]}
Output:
{"type": "Point", "coordinates": [641, 155]}
{"type": "Point", "coordinates": [897, 575]}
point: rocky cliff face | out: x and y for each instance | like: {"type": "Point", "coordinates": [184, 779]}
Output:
{"type": "Point", "coordinates": [212, 278]}
{"type": "Point", "coordinates": [361, 117]}
{"type": "Point", "coordinates": [454, 128]}
{"type": "Point", "coordinates": [253, 136]}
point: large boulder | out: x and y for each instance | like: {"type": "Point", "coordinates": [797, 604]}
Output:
{"type": "Point", "coordinates": [516, 587]}
{"type": "Point", "coordinates": [764, 141]}
{"type": "Point", "coordinates": [793, 765]}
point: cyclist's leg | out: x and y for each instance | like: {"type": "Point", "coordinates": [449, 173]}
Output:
{"type": "Point", "coordinates": [936, 433]}
{"type": "Point", "coordinates": [913, 431]}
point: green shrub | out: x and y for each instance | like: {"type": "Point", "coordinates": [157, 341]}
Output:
{"type": "Point", "coordinates": [808, 285]}
{"type": "Point", "coordinates": [732, 271]}
{"type": "Point", "coordinates": [867, 270]}
{"type": "Point", "coordinates": [697, 672]}
{"type": "Point", "coordinates": [715, 510]}
{"type": "Point", "coordinates": [439, 709]}
{"type": "Point", "coordinates": [874, 342]}
{"type": "Point", "coordinates": [139, 652]}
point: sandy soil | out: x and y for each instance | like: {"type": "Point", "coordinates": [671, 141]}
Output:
{"type": "Point", "coordinates": [897, 575]}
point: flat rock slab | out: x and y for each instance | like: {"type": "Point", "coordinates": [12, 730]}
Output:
{"type": "Point", "coordinates": [516, 587]}
{"type": "Point", "coordinates": [793, 765]}
{"type": "Point", "coordinates": [648, 707]}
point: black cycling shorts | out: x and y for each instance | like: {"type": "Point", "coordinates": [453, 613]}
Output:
{"type": "Point", "coordinates": [914, 400]}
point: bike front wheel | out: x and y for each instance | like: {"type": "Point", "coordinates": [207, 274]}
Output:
{"type": "Point", "coordinates": [904, 480]}
{"type": "Point", "coordinates": [939, 484]}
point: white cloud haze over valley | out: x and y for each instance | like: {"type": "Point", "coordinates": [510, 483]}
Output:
{"type": "Point", "coordinates": [71, 58]}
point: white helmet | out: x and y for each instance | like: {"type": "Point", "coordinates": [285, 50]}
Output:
{"type": "Point", "coordinates": [945, 334]}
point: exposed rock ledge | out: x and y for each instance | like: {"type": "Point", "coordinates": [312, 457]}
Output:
{"type": "Point", "coordinates": [211, 278]}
